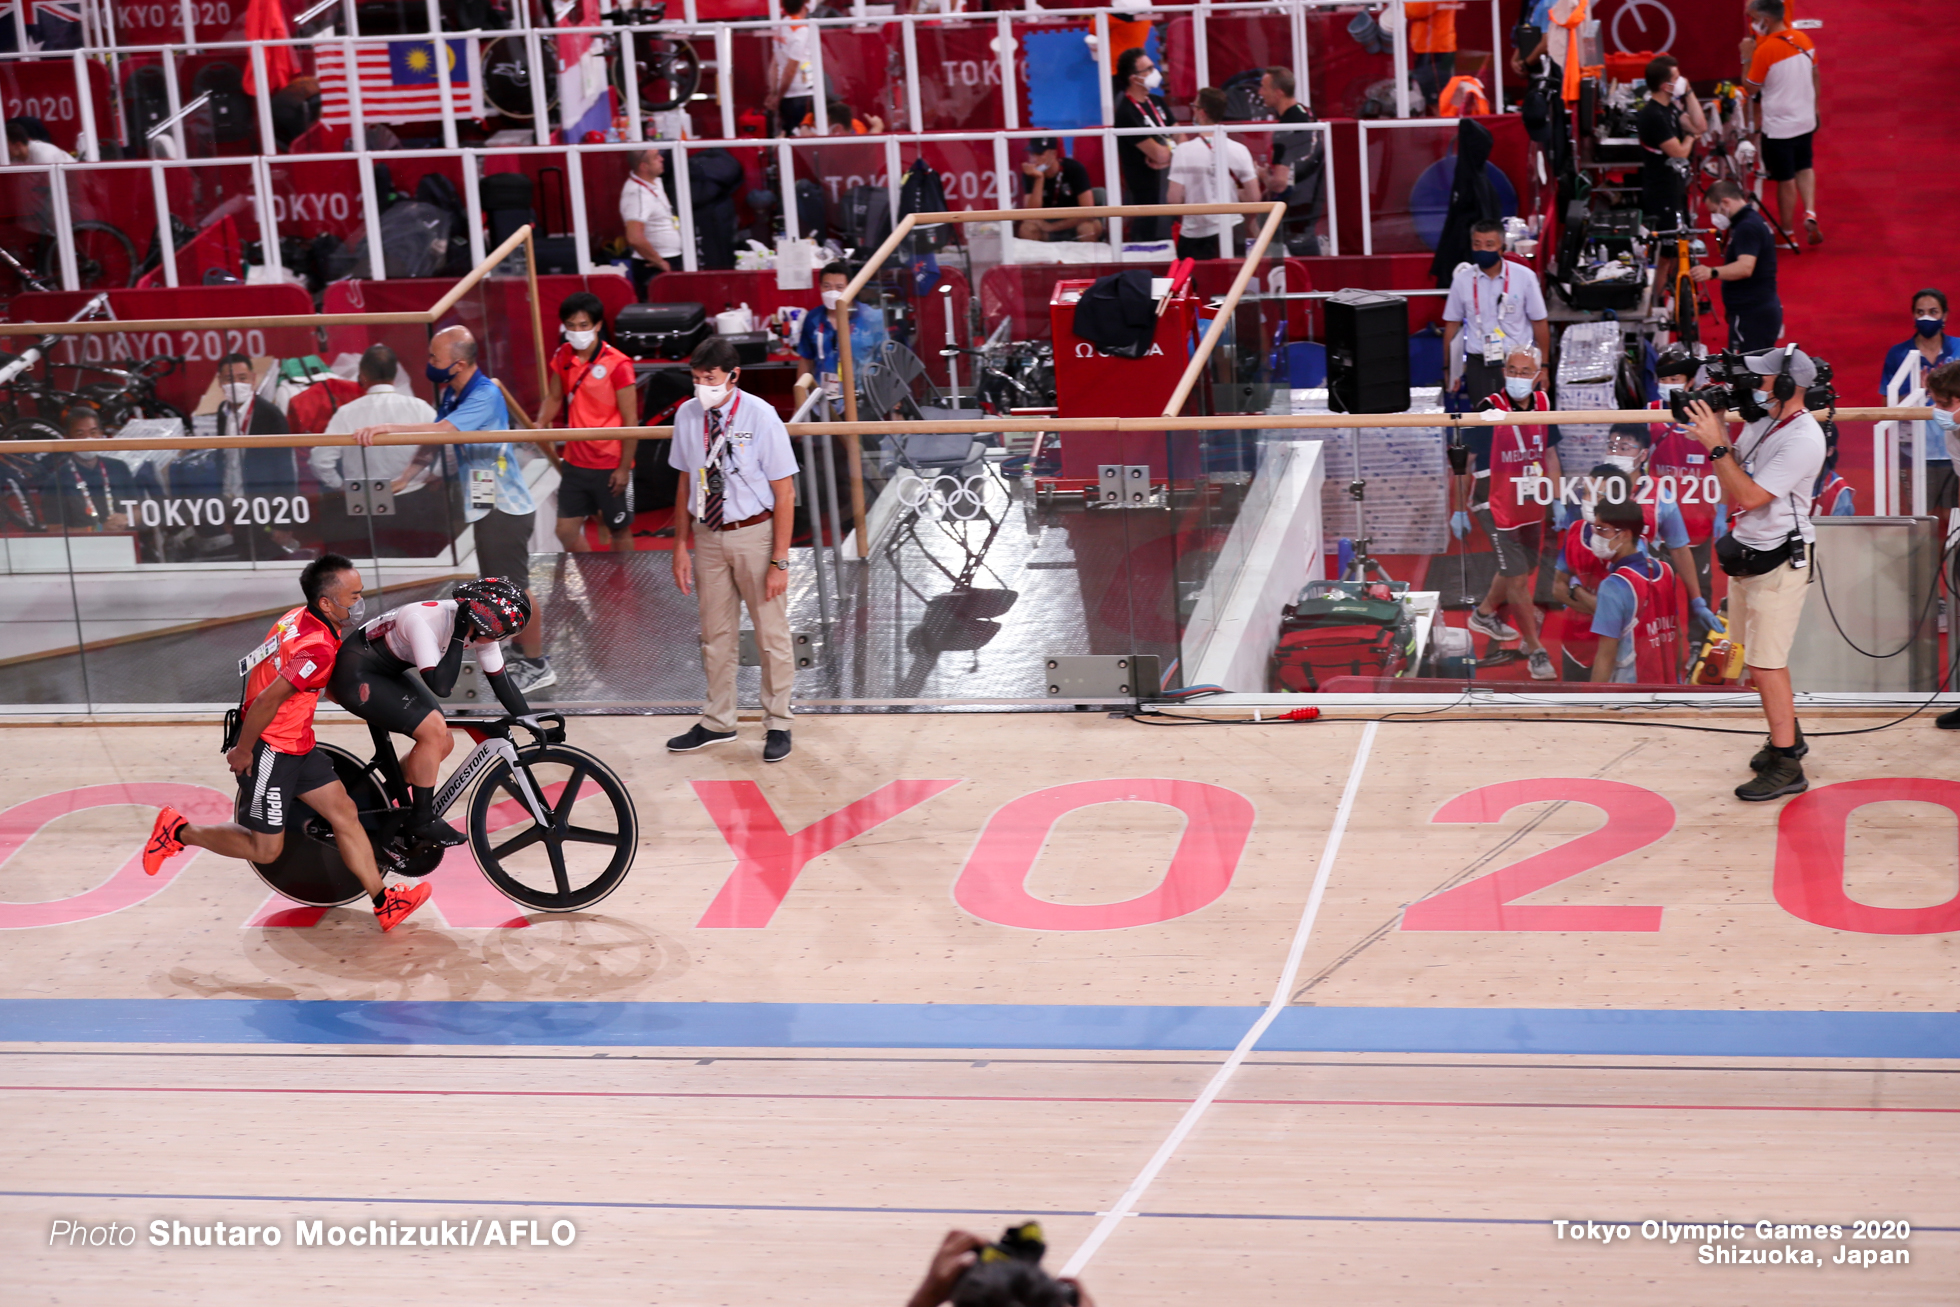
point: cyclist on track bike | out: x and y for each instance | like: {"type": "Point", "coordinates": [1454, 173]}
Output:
{"type": "Point", "coordinates": [370, 679]}
{"type": "Point", "coordinates": [275, 752]}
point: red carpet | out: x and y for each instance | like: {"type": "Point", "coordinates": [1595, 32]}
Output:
{"type": "Point", "coordinates": [1885, 202]}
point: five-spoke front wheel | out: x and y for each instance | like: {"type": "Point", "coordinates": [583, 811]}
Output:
{"type": "Point", "coordinates": [578, 853]}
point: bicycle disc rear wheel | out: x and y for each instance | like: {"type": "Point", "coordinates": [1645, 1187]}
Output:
{"type": "Point", "coordinates": [581, 851]}
{"type": "Point", "coordinates": [309, 869]}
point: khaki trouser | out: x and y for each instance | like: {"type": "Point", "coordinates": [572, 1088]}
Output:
{"type": "Point", "coordinates": [731, 568]}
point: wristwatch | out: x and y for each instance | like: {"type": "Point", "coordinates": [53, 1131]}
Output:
{"type": "Point", "coordinates": [1720, 451]}
{"type": "Point", "coordinates": [780, 564]}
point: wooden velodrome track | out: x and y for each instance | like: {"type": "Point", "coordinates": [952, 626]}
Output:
{"type": "Point", "coordinates": [1160, 988]}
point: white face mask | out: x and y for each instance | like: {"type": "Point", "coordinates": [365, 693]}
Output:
{"type": "Point", "coordinates": [1720, 220]}
{"type": "Point", "coordinates": [830, 298]}
{"type": "Point", "coordinates": [1669, 391]}
{"type": "Point", "coordinates": [1765, 400]}
{"type": "Point", "coordinates": [711, 396]}
{"type": "Point", "coordinates": [1519, 387]}
{"type": "Point", "coordinates": [581, 339]}
{"type": "Point", "coordinates": [237, 395]}
{"type": "Point", "coordinates": [1602, 547]}
{"type": "Point", "coordinates": [1152, 80]}
{"type": "Point", "coordinates": [1624, 462]}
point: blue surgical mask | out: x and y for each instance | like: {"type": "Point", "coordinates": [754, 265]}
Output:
{"type": "Point", "coordinates": [1944, 420]}
{"type": "Point", "coordinates": [440, 376]}
{"type": "Point", "coordinates": [1485, 259]}
{"type": "Point", "coordinates": [1764, 399]}
{"type": "Point", "coordinates": [1669, 392]}
{"type": "Point", "coordinates": [1928, 326]}
{"type": "Point", "coordinates": [1519, 387]}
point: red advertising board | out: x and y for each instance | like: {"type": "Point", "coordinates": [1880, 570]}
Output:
{"type": "Point", "coordinates": [45, 89]}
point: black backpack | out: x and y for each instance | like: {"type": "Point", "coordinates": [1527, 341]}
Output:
{"type": "Point", "coordinates": [1242, 102]}
{"type": "Point", "coordinates": [1117, 315]}
{"type": "Point", "coordinates": [921, 192]}
{"type": "Point", "coordinates": [439, 192]}
{"type": "Point", "coordinates": [232, 111]}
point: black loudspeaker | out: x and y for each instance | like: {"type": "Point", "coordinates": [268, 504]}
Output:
{"type": "Point", "coordinates": [1367, 352]}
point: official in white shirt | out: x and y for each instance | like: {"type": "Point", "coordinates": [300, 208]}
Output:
{"type": "Point", "coordinates": [737, 470]}
{"type": "Point", "coordinates": [651, 232]}
{"type": "Point", "coordinates": [1495, 307]}
{"type": "Point", "coordinates": [1194, 177]}
{"type": "Point", "coordinates": [419, 526]}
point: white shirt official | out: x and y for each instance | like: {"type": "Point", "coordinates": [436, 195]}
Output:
{"type": "Point", "coordinates": [333, 464]}
{"type": "Point", "coordinates": [646, 202]}
{"type": "Point", "coordinates": [1509, 302]}
{"type": "Point", "coordinates": [757, 452]}
{"type": "Point", "coordinates": [1192, 167]}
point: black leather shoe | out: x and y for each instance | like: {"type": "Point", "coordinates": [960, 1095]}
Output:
{"type": "Point", "coordinates": [698, 737]}
{"type": "Point", "coordinates": [1948, 721]}
{"type": "Point", "coordinates": [776, 747]}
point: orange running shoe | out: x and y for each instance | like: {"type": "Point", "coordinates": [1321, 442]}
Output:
{"type": "Point", "coordinates": [397, 901]}
{"type": "Point", "coordinates": [164, 843]}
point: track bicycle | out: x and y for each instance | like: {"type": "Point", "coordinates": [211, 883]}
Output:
{"type": "Point", "coordinates": [520, 820]}
{"type": "Point", "coordinates": [1678, 250]}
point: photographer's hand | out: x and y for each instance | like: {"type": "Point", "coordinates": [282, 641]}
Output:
{"type": "Point", "coordinates": [1705, 426]}
{"type": "Point", "coordinates": [956, 1253]}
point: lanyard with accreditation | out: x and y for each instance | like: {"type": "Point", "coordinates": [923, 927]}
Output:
{"type": "Point", "coordinates": [708, 475]}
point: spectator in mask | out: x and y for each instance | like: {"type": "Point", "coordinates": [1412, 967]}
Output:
{"type": "Point", "coordinates": [1495, 306]}
{"type": "Point", "coordinates": [1052, 180]}
{"type": "Point", "coordinates": [1500, 493]}
{"type": "Point", "coordinates": [254, 474]}
{"type": "Point", "coordinates": [1665, 143]}
{"type": "Point", "coordinates": [1636, 617]}
{"type": "Point", "coordinates": [1928, 348]}
{"type": "Point", "coordinates": [594, 383]}
{"type": "Point", "coordinates": [816, 339]}
{"type": "Point", "coordinates": [1141, 160]}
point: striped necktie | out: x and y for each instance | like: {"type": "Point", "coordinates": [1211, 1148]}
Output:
{"type": "Point", "coordinates": [711, 497]}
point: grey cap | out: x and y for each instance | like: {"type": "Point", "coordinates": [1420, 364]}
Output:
{"type": "Point", "coordinates": [1769, 363]}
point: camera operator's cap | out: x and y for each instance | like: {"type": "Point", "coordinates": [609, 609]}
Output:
{"type": "Point", "coordinates": [1043, 144]}
{"type": "Point", "coordinates": [1769, 363]}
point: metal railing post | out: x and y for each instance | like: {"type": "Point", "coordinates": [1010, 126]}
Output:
{"type": "Point", "coordinates": [820, 95]}
{"type": "Point", "coordinates": [540, 110]}
{"type": "Point", "coordinates": [1004, 51]}
{"type": "Point", "coordinates": [1004, 190]}
{"type": "Point", "coordinates": [575, 178]}
{"type": "Point", "coordinates": [268, 143]}
{"type": "Point", "coordinates": [629, 61]}
{"type": "Point", "coordinates": [1496, 58]}
{"type": "Point", "coordinates": [894, 168]}
{"type": "Point", "coordinates": [64, 228]}
{"type": "Point", "coordinates": [173, 99]}
{"type": "Point", "coordinates": [786, 174]}
{"type": "Point", "coordinates": [268, 220]}
{"type": "Point", "coordinates": [1201, 44]}
{"type": "Point", "coordinates": [725, 80]}
{"type": "Point", "coordinates": [445, 91]}
{"type": "Point", "coordinates": [84, 105]}
{"type": "Point", "coordinates": [166, 234]}
{"type": "Point", "coordinates": [1105, 91]}
{"type": "Point", "coordinates": [1367, 210]}
{"type": "Point", "coordinates": [1401, 59]}
{"type": "Point", "coordinates": [472, 205]}
{"type": "Point", "coordinates": [914, 105]}
{"type": "Point", "coordinates": [1296, 25]}
{"type": "Point", "coordinates": [684, 195]}
{"type": "Point", "coordinates": [1333, 198]}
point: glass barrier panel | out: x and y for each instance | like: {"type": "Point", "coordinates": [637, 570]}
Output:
{"type": "Point", "coordinates": [959, 77]}
{"type": "Point", "coordinates": [41, 662]}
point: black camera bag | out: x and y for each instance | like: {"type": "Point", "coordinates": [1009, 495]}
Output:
{"type": "Point", "coordinates": [1738, 559]}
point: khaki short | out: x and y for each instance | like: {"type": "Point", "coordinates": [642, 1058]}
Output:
{"type": "Point", "coordinates": [1763, 612]}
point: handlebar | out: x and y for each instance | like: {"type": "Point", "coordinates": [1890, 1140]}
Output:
{"type": "Point", "coordinates": [549, 727]}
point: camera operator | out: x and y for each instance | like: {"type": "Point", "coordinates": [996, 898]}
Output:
{"type": "Point", "coordinates": [1766, 479]}
{"type": "Point", "coordinates": [958, 1275]}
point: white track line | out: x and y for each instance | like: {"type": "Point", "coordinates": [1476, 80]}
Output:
{"type": "Point", "coordinates": [1134, 1194]}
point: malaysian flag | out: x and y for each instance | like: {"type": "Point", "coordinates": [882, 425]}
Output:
{"type": "Point", "coordinates": [398, 81]}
